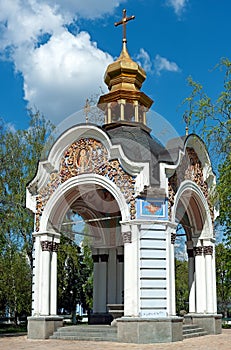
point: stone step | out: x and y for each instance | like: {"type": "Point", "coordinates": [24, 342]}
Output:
{"type": "Point", "coordinates": [88, 332]}
{"type": "Point", "coordinates": [191, 331]}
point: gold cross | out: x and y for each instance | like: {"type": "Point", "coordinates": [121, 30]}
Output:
{"type": "Point", "coordinates": [124, 21]}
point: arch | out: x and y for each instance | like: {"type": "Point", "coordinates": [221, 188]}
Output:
{"type": "Point", "coordinates": [60, 196]}
{"type": "Point", "coordinates": [192, 211]}
{"type": "Point", "coordinates": [195, 205]}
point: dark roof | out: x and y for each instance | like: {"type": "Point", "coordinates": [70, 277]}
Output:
{"type": "Point", "coordinates": [138, 146]}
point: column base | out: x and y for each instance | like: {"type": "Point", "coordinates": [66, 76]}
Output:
{"type": "Point", "coordinates": [42, 327]}
{"type": "Point", "coordinates": [149, 330]}
{"type": "Point", "coordinates": [211, 323]}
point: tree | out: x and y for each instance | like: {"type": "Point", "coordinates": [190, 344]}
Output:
{"type": "Point", "coordinates": [182, 293]}
{"type": "Point", "coordinates": [15, 282]}
{"type": "Point", "coordinates": [75, 266]}
{"type": "Point", "coordinates": [69, 277]}
{"type": "Point", "coordinates": [75, 275]}
{"type": "Point", "coordinates": [212, 119]}
{"type": "Point", "coordinates": [87, 274]}
{"type": "Point", "coordinates": [223, 274]}
{"type": "Point", "coordinates": [20, 151]}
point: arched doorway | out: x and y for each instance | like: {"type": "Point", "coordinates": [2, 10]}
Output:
{"type": "Point", "coordinates": [101, 215]}
{"type": "Point", "coordinates": [191, 211]}
{"type": "Point", "coordinates": [93, 198]}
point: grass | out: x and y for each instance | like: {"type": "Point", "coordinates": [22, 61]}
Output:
{"type": "Point", "coordinates": [10, 328]}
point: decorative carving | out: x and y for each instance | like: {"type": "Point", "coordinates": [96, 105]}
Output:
{"type": "Point", "coordinates": [132, 208]}
{"type": "Point", "coordinates": [190, 168]}
{"type": "Point", "coordinates": [46, 246]}
{"type": "Point", "coordinates": [95, 258]}
{"type": "Point", "coordinates": [198, 251]}
{"type": "Point", "coordinates": [208, 250]}
{"type": "Point", "coordinates": [127, 237]}
{"type": "Point", "coordinates": [44, 194]}
{"type": "Point", "coordinates": [55, 247]}
{"type": "Point", "coordinates": [87, 156]}
{"type": "Point", "coordinates": [173, 238]}
{"type": "Point", "coordinates": [120, 258]}
{"type": "Point", "coordinates": [49, 246]}
{"type": "Point", "coordinates": [104, 257]}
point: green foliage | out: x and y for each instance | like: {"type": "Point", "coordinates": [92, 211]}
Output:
{"type": "Point", "coordinates": [182, 294]}
{"type": "Point", "coordinates": [75, 280]}
{"type": "Point", "coordinates": [6, 328]}
{"type": "Point", "coordinates": [68, 275]}
{"type": "Point", "coordinates": [15, 282]}
{"type": "Point", "coordinates": [223, 274]}
{"type": "Point", "coordinates": [224, 191]}
{"type": "Point", "coordinates": [212, 119]}
{"type": "Point", "coordinates": [88, 274]}
{"type": "Point", "coordinates": [20, 151]}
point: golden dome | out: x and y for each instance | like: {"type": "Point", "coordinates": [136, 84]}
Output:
{"type": "Point", "coordinates": [124, 73]}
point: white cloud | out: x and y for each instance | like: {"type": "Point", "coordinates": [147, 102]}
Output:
{"type": "Point", "coordinates": [61, 72]}
{"type": "Point", "coordinates": [177, 5]}
{"type": "Point", "coordinates": [144, 60]}
{"type": "Point", "coordinates": [87, 8]}
{"type": "Point", "coordinates": [163, 64]}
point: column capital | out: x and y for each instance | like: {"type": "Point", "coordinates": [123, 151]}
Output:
{"type": "Point", "coordinates": [127, 237]}
{"type": "Point", "coordinates": [95, 258]}
{"type": "Point", "coordinates": [55, 247]}
{"type": "Point", "coordinates": [208, 250]}
{"type": "Point", "coordinates": [198, 251]}
{"type": "Point", "coordinates": [104, 257]}
{"type": "Point", "coordinates": [49, 246]}
{"type": "Point", "coordinates": [173, 238]}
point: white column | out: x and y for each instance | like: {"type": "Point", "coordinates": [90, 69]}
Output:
{"type": "Point", "coordinates": [108, 118]}
{"type": "Point", "coordinates": [53, 289]}
{"type": "Point", "coordinates": [96, 284]}
{"type": "Point", "coordinates": [136, 107]}
{"type": "Point", "coordinates": [45, 285]}
{"type": "Point", "coordinates": [103, 280]}
{"type": "Point", "coordinates": [214, 281]}
{"type": "Point", "coordinates": [131, 270]}
{"type": "Point", "coordinates": [200, 280]}
{"type": "Point", "coordinates": [100, 281]}
{"type": "Point", "coordinates": [208, 251]}
{"type": "Point", "coordinates": [144, 116]}
{"type": "Point", "coordinates": [122, 103]}
{"type": "Point", "coordinates": [120, 275]}
{"type": "Point", "coordinates": [111, 282]}
{"type": "Point", "coordinates": [36, 276]}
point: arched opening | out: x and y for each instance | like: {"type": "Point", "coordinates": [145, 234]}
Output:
{"type": "Point", "coordinates": [90, 210]}
{"type": "Point", "coordinates": [193, 237]}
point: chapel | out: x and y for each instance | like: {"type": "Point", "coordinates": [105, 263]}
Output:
{"type": "Point", "coordinates": [133, 193]}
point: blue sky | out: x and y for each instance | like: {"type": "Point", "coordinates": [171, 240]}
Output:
{"type": "Point", "coordinates": [54, 53]}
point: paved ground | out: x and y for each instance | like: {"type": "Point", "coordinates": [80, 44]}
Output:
{"type": "Point", "coordinates": [211, 342]}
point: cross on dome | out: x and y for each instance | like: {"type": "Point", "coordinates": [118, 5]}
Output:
{"type": "Point", "coordinates": [124, 21]}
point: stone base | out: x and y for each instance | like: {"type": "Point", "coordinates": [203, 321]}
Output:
{"type": "Point", "coordinates": [42, 327]}
{"type": "Point", "coordinates": [212, 324]}
{"type": "Point", "coordinates": [149, 330]}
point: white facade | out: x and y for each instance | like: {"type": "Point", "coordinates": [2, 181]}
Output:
{"type": "Point", "coordinates": [134, 259]}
